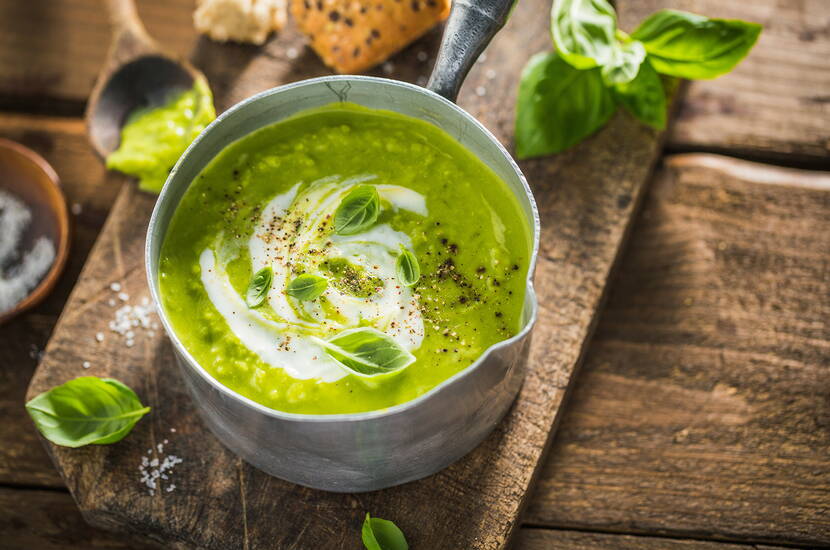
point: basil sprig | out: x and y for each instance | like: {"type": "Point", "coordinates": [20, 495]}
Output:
{"type": "Point", "coordinates": [358, 211]}
{"type": "Point", "coordinates": [573, 104]}
{"type": "Point", "coordinates": [407, 268]}
{"type": "Point", "coordinates": [86, 411]}
{"type": "Point", "coordinates": [567, 95]}
{"type": "Point", "coordinates": [307, 287]}
{"type": "Point", "coordinates": [367, 352]}
{"type": "Point", "coordinates": [686, 45]}
{"type": "Point", "coordinates": [259, 286]}
{"type": "Point", "coordinates": [382, 534]}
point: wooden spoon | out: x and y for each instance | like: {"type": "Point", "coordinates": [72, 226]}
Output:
{"type": "Point", "coordinates": [136, 74]}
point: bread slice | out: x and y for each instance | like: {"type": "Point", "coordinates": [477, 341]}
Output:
{"type": "Point", "coordinates": [354, 35]}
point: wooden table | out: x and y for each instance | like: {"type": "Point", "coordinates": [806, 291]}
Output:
{"type": "Point", "coordinates": [701, 417]}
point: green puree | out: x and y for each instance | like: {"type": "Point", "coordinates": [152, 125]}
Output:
{"type": "Point", "coordinates": [152, 140]}
{"type": "Point", "coordinates": [473, 249]}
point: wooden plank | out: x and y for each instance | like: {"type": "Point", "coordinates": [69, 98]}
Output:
{"type": "Point", "coordinates": [49, 520]}
{"type": "Point", "coordinates": [702, 409]}
{"type": "Point", "coordinates": [547, 539]}
{"type": "Point", "coordinates": [55, 48]}
{"type": "Point", "coordinates": [63, 143]}
{"type": "Point", "coordinates": [776, 102]}
{"type": "Point", "coordinates": [586, 198]}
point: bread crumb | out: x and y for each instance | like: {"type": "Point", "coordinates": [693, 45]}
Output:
{"type": "Point", "coordinates": [240, 20]}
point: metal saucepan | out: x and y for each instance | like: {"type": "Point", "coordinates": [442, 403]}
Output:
{"type": "Point", "coordinates": [377, 449]}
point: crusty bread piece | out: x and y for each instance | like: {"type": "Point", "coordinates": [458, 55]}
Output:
{"type": "Point", "coordinates": [353, 35]}
{"type": "Point", "coordinates": [240, 20]}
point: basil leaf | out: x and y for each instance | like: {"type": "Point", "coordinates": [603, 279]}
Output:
{"type": "Point", "coordinates": [558, 105]}
{"type": "Point", "coordinates": [259, 286]}
{"type": "Point", "coordinates": [367, 352]}
{"type": "Point", "coordinates": [407, 267]}
{"type": "Point", "coordinates": [626, 61]}
{"type": "Point", "coordinates": [307, 286]}
{"type": "Point", "coordinates": [358, 211]}
{"type": "Point", "coordinates": [583, 32]}
{"type": "Point", "coordinates": [644, 96]}
{"type": "Point", "coordinates": [86, 410]}
{"type": "Point", "coordinates": [692, 46]}
{"type": "Point", "coordinates": [381, 534]}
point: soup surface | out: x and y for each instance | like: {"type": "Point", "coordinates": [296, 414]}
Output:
{"type": "Point", "coordinates": [279, 280]}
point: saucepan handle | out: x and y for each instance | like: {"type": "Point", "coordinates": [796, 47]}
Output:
{"type": "Point", "coordinates": [471, 25]}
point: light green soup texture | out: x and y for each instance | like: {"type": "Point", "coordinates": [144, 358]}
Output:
{"type": "Point", "coordinates": [473, 248]}
{"type": "Point", "coordinates": [153, 139]}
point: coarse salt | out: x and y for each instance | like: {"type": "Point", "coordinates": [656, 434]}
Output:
{"type": "Point", "coordinates": [25, 268]}
{"type": "Point", "coordinates": [154, 471]}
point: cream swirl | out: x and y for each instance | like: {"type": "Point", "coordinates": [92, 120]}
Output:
{"type": "Point", "coordinates": [294, 235]}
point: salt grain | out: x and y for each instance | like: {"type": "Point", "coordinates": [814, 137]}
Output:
{"type": "Point", "coordinates": [422, 56]}
{"type": "Point", "coordinates": [123, 296]}
{"type": "Point", "coordinates": [158, 469]}
{"type": "Point", "coordinates": [388, 68]}
{"type": "Point", "coordinates": [86, 364]}
{"type": "Point", "coordinates": [27, 268]}
{"type": "Point", "coordinates": [292, 53]}
{"type": "Point", "coordinates": [115, 287]}
{"type": "Point", "coordinates": [99, 337]}
{"type": "Point", "coordinates": [77, 208]}
{"type": "Point", "coordinates": [490, 74]}
{"type": "Point", "coordinates": [481, 91]}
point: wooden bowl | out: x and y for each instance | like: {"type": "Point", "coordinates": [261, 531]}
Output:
{"type": "Point", "coordinates": [27, 176]}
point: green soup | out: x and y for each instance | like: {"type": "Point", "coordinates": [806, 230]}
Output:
{"type": "Point", "coordinates": [152, 140]}
{"type": "Point", "coordinates": [270, 202]}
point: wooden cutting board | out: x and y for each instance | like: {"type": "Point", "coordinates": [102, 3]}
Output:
{"type": "Point", "coordinates": [211, 499]}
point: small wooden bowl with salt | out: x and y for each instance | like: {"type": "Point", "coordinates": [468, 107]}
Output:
{"type": "Point", "coordinates": [34, 229]}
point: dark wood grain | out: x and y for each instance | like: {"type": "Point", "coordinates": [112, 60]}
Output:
{"type": "Point", "coordinates": [776, 102]}
{"type": "Point", "coordinates": [545, 539]}
{"type": "Point", "coordinates": [49, 520]}
{"type": "Point", "coordinates": [586, 199]}
{"type": "Point", "coordinates": [703, 406]}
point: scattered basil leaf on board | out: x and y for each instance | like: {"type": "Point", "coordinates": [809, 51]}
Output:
{"type": "Point", "coordinates": [367, 352]}
{"type": "Point", "coordinates": [358, 211]}
{"type": "Point", "coordinates": [583, 32]}
{"type": "Point", "coordinates": [381, 534]}
{"type": "Point", "coordinates": [625, 64]}
{"type": "Point", "coordinates": [558, 105]}
{"type": "Point", "coordinates": [259, 286]}
{"type": "Point", "coordinates": [307, 286]}
{"type": "Point", "coordinates": [407, 267]}
{"type": "Point", "coordinates": [692, 46]}
{"type": "Point", "coordinates": [87, 410]}
{"type": "Point", "coordinates": [644, 97]}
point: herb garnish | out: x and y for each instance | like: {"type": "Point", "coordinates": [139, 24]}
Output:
{"type": "Point", "coordinates": [367, 352]}
{"type": "Point", "coordinates": [382, 534]}
{"type": "Point", "coordinates": [358, 211]}
{"type": "Point", "coordinates": [86, 410]}
{"type": "Point", "coordinates": [307, 287]}
{"type": "Point", "coordinates": [259, 286]}
{"type": "Point", "coordinates": [407, 267]}
{"type": "Point", "coordinates": [566, 95]}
